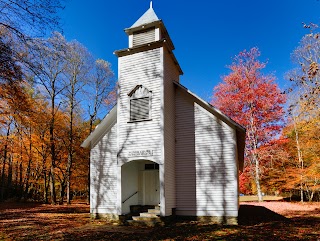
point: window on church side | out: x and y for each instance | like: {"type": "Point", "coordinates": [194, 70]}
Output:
{"type": "Point", "coordinates": [140, 103]}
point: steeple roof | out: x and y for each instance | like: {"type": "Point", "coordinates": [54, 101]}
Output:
{"type": "Point", "coordinates": [148, 17]}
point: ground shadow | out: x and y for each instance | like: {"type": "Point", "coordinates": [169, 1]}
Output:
{"type": "Point", "coordinates": [251, 215]}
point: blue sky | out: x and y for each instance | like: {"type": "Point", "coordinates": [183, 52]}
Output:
{"type": "Point", "coordinates": [206, 34]}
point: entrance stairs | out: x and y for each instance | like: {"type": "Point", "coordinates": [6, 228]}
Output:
{"type": "Point", "coordinates": [150, 218]}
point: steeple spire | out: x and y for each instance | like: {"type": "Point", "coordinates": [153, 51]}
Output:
{"type": "Point", "coordinates": [148, 17]}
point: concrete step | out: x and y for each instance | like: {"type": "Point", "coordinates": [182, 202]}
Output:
{"type": "Point", "coordinates": [148, 215]}
{"type": "Point", "coordinates": [154, 211]}
{"type": "Point", "coordinates": [157, 207]}
{"type": "Point", "coordinates": [148, 219]}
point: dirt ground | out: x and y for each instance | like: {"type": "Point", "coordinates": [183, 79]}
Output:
{"type": "Point", "coordinates": [257, 221]}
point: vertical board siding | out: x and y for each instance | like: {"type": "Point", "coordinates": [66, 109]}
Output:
{"type": "Point", "coordinates": [171, 74]}
{"type": "Point", "coordinates": [103, 174]}
{"type": "Point", "coordinates": [147, 36]}
{"type": "Point", "coordinates": [216, 169]}
{"type": "Point", "coordinates": [141, 68]}
{"type": "Point", "coordinates": [185, 167]}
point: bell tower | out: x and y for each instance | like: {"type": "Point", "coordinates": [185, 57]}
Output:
{"type": "Point", "coordinates": [146, 101]}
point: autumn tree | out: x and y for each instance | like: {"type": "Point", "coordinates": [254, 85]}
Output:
{"type": "Point", "coordinates": [78, 65]}
{"type": "Point", "coordinates": [305, 78]}
{"type": "Point", "coordinates": [304, 107]}
{"type": "Point", "coordinates": [254, 100]}
{"type": "Point", "coordinates": [50, 65]}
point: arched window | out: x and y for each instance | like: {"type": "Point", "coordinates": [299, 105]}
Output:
{"type": "Point", "coordinates": [140, 103]}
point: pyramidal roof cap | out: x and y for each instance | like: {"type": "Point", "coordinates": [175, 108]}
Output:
{"type": "Point", "coordinates": [148, 17]}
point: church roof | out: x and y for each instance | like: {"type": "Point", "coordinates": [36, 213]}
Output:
{"type": "Point", "coordinates": [108, 121]}
{"type": "Point", "coordinates": [148, 17]}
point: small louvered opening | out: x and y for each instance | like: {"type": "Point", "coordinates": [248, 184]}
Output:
{"type": "Point", "coordinates": [139, 109]}
{"type": "Point", "coordinates": [144, 37]}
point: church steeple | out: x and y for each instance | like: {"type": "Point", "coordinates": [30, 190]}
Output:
{"type": "Point", "coordinates": [148, 29]}
{"type": "Point", "coordinates": [148, 17]}
{"type": "Point", "coordinates": [148, 32]}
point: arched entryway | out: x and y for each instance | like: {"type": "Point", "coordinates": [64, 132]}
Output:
{"type": "Point", "coordinates": [140, 184]}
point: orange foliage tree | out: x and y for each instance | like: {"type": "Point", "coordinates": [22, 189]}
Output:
{"type": "Point", "coordinates": [255, 101]}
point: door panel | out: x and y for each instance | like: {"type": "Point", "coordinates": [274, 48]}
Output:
{"type": "Point", "coordinates": [151, 187]}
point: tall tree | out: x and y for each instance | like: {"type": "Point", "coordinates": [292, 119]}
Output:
{"type": "Point", "coordinates": [305, 100]}
{"type": "Point", "coordinates": [305, 78]}
{"type": "Point", "coordinates": [101, 90]}
{"type": "Point", "coordinates": [79, 63]}
{"type": "Point", "coordinates": [50, 59]}
{"type": "Point", "coordinates": [253, 100]}
{"type": "Point", "coordinates": [30, 17]}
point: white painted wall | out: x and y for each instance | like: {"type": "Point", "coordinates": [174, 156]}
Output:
{"type": "Point", "coordinates": [216, 168]}
{"type": "Point", "coordinates": [141, 68]}
{"type": "Point", "coordinates": [171, 73]}
{"type": "Point", "coordinates": [185, 166]}
{"type": "Point", "coordinates": [103, 174]}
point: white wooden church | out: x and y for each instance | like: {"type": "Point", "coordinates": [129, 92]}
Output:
{"type": "Point", "coordinates": [161, 145]}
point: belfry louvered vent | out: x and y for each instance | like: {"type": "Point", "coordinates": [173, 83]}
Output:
{"type": "Point", "coordinates": [144, 37]}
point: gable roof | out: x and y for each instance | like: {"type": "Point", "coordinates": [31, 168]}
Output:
{"type": "Point", "coordinates": [212, 108]}
{"type": "Point", "coordinates": [108, 121]}
{"type": "Point", "coordinates": [148, 17]}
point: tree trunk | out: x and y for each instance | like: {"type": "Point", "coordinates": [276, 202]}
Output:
{"type": "Point", "coordinates": [68, 192]}
{"type": "Point", "coordinates": [257, 179]}
{"type": "Point", "coordinates": [53, 153]}
{"type": "Point", "coordinates": [45, 188]}
{"type": "Point", "coordinates": [62, 192]}
{"type": "Point", "coordinates": [20, 179]}
{"type": "Point", "coordinates": [52, 186]}
{"type": "Point", "coordinates": [253, 141]}
{"type": "Point", "coordinates": [299, 158]}
{"type": "Point", "coordinates": [10, 170]}
{"type": "Point", "coordinates": [5, 153]}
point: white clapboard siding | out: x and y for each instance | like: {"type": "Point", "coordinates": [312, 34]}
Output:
{"type": "Point", "coordinates": [147, 36]}
{"type": "Point", "coordinates": [103, 174]}
{"type": "Point", "coordinates": [185, 154]}
{"type": "Point", "coordinates": [171, 73]}
{"type": "Point", "coordinates": [142, 68]}
{"type": "Point", "coordinates": [216, 169]}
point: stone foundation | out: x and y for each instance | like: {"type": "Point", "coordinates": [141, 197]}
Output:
{"type": "Point", "coordinates": [121, 219]}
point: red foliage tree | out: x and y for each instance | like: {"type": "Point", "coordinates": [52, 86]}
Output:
{"type": "Point", "coordinates": [253, 100]}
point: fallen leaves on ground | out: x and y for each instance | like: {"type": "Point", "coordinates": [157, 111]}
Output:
{"type": "Point", "coordinates": [257, 221]}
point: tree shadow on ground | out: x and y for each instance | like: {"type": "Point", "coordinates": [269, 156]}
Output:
{"type": "Point", "coordinates": [255, 223]}
{"type": "Point", "coordinates": [252, 215]}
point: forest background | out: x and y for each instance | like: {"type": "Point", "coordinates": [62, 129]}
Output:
{"type": "Point", "coordinates": [52, 90]}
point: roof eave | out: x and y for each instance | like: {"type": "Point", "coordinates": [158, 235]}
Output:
{"type": "Point", "coordinates": [214, 109]}
{"type": "Point", "coordinates": [143, 26]}
{"type": "Point", "coordinates": [108, 120]}
{"type": "Point", "coordinates": [149, 46]}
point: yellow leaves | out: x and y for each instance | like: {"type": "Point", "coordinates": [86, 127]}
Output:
{"type": "Point", "coordinates": [313, 70]}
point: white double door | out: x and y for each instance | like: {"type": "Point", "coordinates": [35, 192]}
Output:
{"type": "Point", "coordinates": [151, 187]}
